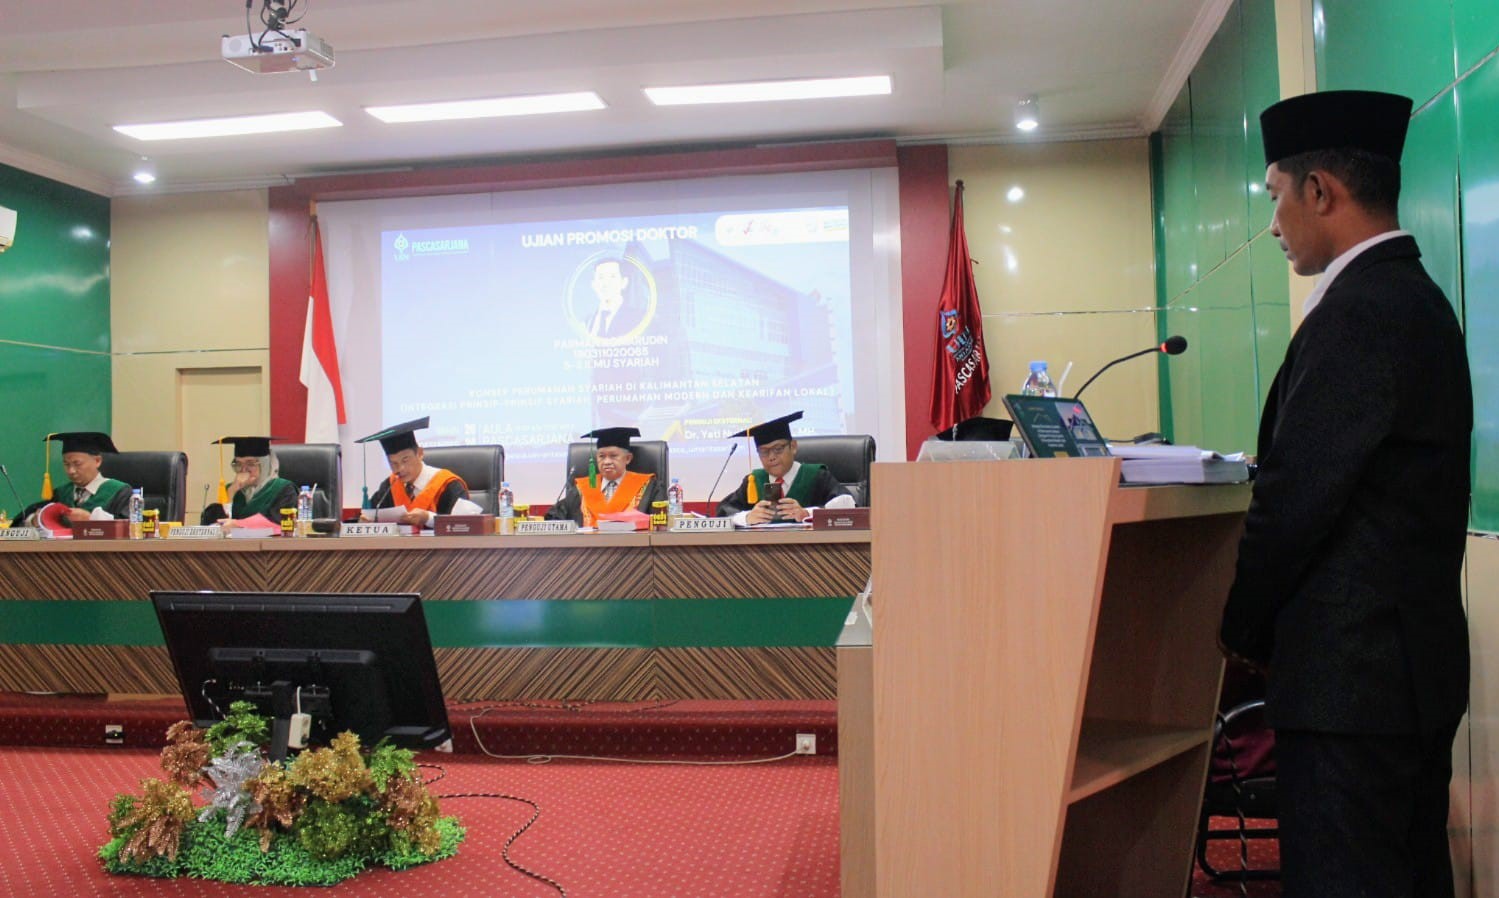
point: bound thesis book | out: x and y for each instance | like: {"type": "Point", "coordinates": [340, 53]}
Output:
{"type": "Point", "coordinates": [1178, 464]}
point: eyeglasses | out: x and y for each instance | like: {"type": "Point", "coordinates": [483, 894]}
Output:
{"type": "Point", "coordinates": [238, 466]}
{"type": "Point", "coordinates": [773, 449]}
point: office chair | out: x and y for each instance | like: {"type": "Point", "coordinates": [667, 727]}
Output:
{"type": "Point", "coordinates": [162, 477]}
{"type": "Point", "coordinates": [318, 465]}
{"type": "Point", "coordinates": [847, 457]}
{"type": "Point", "coordinates": [1241, 784]}
{"type": "Point", "coordinates": [481, 467]}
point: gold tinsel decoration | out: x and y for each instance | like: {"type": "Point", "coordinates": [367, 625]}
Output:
{"type": "Point", "coordinates": [186, 754]}
{"type": "Point", "coordinates": [411, 810]}
{"type": "Point", "coordinates": [159, 817]}
{"type": "Point", "coordinates": [278, 801]}
{"type": "Point", "coordinates": [335, 773]}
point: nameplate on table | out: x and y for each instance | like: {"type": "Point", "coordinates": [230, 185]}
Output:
{"type": "Point", "coordinates": [698, 525]}
{"type": "Point", "coordinates": [370, 528]}
{"type": "Point", "coordinates": [537, 528]}
{"type": "Point", "coordinates": [840, 519]}
{"type": "Point", "coordinates": [22, 533]}
{"type": "Point", "coordinates": [101, 530]}
{"type": "Point", "coordinates": [463, 525]}
{"type": "Point", "coordinates": [211, 531]}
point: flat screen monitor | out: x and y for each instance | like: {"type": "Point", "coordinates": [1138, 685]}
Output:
{"type": "Point", "coordinates": [361, 663]}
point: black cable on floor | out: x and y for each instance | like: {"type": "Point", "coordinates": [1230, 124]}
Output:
{"type": "Point", "coordinates": [505, 850]}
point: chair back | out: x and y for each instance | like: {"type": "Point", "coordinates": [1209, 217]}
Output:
{"type": "Point", "coordinates": [651, 457]}
{"type": "Point", "coordinates": [162, 477]}
{"type": "Point", "coordinates": [318, 465]}
{"type": "Point", "coordinates": [481, 467]}
{"type": "Point", "coordinates": [847, 457]}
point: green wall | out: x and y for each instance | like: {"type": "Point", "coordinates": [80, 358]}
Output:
{"type": "Point", "coordinates": [1223, 282]}
{"type": "Point", "coordinates": [54, 323]}
{"type": "Point", "coordinates": [1437, 52]}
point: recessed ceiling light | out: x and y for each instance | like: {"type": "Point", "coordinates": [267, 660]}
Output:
{"type": "Point", "coordinates": [145, 171]}
{"type": "Point", "coordinates": [229, 127]}
{"type": "Point", "coordinates": [1028, 113]}
{"type": "Point", "coordinates": [493, 107]}
{"type": "Point", "coordinates": [763, 91]}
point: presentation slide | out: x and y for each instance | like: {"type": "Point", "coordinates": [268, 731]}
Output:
{"type": "Point", "coordinates": [690, 318]}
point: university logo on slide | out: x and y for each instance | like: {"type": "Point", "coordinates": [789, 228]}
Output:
{"type": "Point", "coordinates": [401, 246]}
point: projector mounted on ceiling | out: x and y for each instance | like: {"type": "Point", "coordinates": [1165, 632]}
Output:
{"type": "Point", "coordinates": [279, 48]}
{"type": "Point", "coordinates": [289, 51]}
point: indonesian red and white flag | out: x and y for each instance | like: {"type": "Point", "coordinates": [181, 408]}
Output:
{"type": "Point", "coordinates": [325, 391]}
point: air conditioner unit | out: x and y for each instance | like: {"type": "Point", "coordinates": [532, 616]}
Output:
{"type": "Point", "coordinates": [7, 228]}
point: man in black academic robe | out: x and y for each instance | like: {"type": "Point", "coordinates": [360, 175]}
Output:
{"type": "Point", "coordinates": [613, 487]}
{"type": "Point", "coordinates": [1348, 582]}
{"type": "Point", "coordinates": [784, 489]}
{"type": "Point", "coordinates": [88, 493]}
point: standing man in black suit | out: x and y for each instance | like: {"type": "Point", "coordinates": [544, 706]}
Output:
{"type": "Point", "coordinates": [1348, 581]}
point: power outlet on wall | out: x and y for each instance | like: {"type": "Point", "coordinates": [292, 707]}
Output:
{"type": "Point", "coordinates": [114, 734]}
{"type": "Point", "coordinates": [806, 744]}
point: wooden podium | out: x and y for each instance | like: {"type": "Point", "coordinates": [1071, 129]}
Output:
{"type": "Point", "coordinates": [1044, 677]}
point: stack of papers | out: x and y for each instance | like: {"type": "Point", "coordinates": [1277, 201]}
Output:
{"type": "Point", "coordinates": [1178, 464]}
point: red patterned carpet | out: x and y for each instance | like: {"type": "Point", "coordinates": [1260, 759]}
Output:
{"type": "Point", "coordinates": [606, 830]}
{"type": "Point", "coordinates": [1224, 855]}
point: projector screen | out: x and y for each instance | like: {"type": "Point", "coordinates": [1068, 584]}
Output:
{"type": "Point", "coordinates": [689, 309]}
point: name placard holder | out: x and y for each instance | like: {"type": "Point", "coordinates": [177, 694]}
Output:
{"type": "Point", "coordinates": [196, 532]}
{"type": "Point", "coordinates": [360, 529]}
{"type": "Point", "coordinates": [22, 533]}
{"type": "Point", "coordinates": [699, 525]}
{"type": "Point", "coordinates": [537, 528]}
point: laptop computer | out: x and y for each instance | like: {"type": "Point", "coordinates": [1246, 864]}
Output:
{"type": "Point", "coordinates": [1053, 427]}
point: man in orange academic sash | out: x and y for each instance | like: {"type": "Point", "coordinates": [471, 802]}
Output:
{"type": "Point", "coordinates": [609, 486]}
{"type": "Point", "coordinates": [424, 491]}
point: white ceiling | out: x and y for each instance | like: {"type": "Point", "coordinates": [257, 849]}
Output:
{"type": "Point", "coordinates": [71, 69]}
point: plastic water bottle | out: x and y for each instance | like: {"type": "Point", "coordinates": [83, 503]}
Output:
{"type": "Point", "coordinates": [304, 511]}
{"type": "Point", "coordinates": [1039, 382]}
{"type": "Point", "coordinates": [137, 512]}
{"type": "Point", "coordinates": [673, 502]}
{"type": "Point", "coordinates": [507, 509]}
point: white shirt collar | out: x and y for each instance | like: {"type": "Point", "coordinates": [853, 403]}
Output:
{"type": "Point", "coordinates": [1341, 262]}
{"type": "Point", "coordinates": [789, 476]}
{"type": "Point", "coordinates": [424, 478]}
{"type": "Point", "coordinates": [92, 486]}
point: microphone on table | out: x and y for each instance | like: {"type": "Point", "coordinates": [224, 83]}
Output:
{"type": "Point", "coordinates": [20, 506]}
{"type": "Point", "coordinates": [733, 447]}
{"type": "Point", "coordinates": [1171, 346]}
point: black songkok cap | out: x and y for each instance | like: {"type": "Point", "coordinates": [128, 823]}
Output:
{"type": "Point", "coordinates": [245, 447]}
{"type": "Point", "coordinates": [398, 438]}
{"type": "Point", "coordinates": [1336, 119]}
{"type": "Point", "coordinates": [770, 431]}
{"type": "Point", "coordinates": [979, 428]}
{"type": "Point", "coordinates": [612, 436]}
{"type": "Point", "coordinates": [91, 441]}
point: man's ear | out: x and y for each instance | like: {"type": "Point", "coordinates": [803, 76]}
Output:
{"type": "Point", "coordinates": [1319, 190]}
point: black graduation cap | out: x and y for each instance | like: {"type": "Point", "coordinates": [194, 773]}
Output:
{"type": "Point", "coordinates": [978, 428]}
{"type": "Point", "coordinates": [90, 441]}
{"type": "Point", "coordinates": [1333, 119]}
{"type": "Point", "coordinates": [612, 436]}
{"type": "Point", "coordinates": [770, 431]}
{"type": "Point", "coordinates": [398, 438]}
{"type": "Point", "coordinates": [247, 446]}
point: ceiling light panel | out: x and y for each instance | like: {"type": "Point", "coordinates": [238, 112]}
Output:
{"type": "Point", "coordinates": [495, 107]}
{"type": "Point", "coordinates": [275, 123]}
{"type": "Point", "coordinates": [769, 91]}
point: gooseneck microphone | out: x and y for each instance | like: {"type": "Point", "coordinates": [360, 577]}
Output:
{"type": "Point", "coordinates": [733, 447]}
{"type": "Point", "coordinates": [20, 506]}
{"type": "Point", "coordinates": [1172, 346]}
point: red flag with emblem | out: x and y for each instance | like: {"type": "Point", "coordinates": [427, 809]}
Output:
{"type": "Point", "coordinates": [960, 387]}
